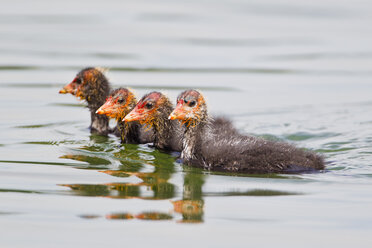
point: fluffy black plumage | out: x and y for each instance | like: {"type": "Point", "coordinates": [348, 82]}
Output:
{"type": "Point", "coordinates": [234, 152]}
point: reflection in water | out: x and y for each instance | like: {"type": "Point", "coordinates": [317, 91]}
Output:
{"type": "Point", "coordinates": [154, 169]}
{"type": "Point", "coordinates": [125, 190]}
{"type": "Point", "coordinates": [129, 216]}
{"type": "Point", "coordinates": [191, 210]}
{"type": "Point", "coordinates": [89, 216]}
{"type": "Point", "coordinates": [131, 160]}
{"type": "Point", "coordinates": [134, 161]}
{"type": "Point", "coordinates": [119, 216]}
{"type": "Point", "coordinates": [92, 161]}
{"type": "Point", "coordinates": [192, 204]}
{"type": "Point", "coordinates": [116, 173]}
{"type": "Point", "coordinates": [154, 216]}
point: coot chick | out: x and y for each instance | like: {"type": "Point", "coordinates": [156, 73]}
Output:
{"type": "Point", "coordinates": [236, 153]}
{"type": "Point", "coordinates": [118, 104]}
{"type": "Point", "coordinates": [152, 111]}
{"type": "Point", "coordinates": [91, 85]}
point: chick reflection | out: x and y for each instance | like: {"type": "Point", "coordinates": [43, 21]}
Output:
{"type": "Point", "coordinates": [192, 204]}
{"type": "Point", "coordinates": [129, 216]}
{"type": "Point", "coordinates": [133, 160]}
{"type": "Point", "coordinates": [119, 216]}
{"type": "Point", "coordinates": [153, 167]}
{"type": "Point", "coordinates": [154, 216]}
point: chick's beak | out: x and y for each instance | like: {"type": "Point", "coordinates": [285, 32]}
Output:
{"type": "Point", "coordinates": [100, 111]}
{"type": "Point", "coordinates": [134, 115]}
{"type": "Point", "coordinates": [69, 88]}
{"type": "Point", "coordinates": [63, 91]}
{"type": "Point", "coordinates": [178, 113]}
{"type": "Point", "coordinates": [105, 108]}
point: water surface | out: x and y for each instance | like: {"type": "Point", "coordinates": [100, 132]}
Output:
{"type": "Point", "coordinates": [295, 71]}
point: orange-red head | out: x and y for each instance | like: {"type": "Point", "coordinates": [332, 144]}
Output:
{"type": "Point", "coordinates": [120, 102]}
{"type": "Point", "coordinates": [191, 108]}
{"type": "Point", "coordinates": [148, 109]}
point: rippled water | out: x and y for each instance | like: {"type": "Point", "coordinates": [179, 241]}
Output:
{"type": "Point", "coordinates": [296, 71]}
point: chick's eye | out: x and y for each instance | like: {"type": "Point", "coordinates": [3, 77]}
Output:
{"type": "Point", "coordinates": [149, 105]}
{"type": "Point", "coordinates": [120, 100]}
{"type": "Point", "coordinates": [192, 103]}
{"type": "Point", "coordinates": [78, 80]}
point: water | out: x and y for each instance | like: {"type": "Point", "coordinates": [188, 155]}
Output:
{"type": "Point", "coordinates": [296, 71]}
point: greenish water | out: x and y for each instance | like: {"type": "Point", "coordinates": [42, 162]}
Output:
{"type": "Point", "coordinates": [295, 71]}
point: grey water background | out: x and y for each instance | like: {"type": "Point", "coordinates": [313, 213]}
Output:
{"type": "Point", "coordinates": [297, 71]}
